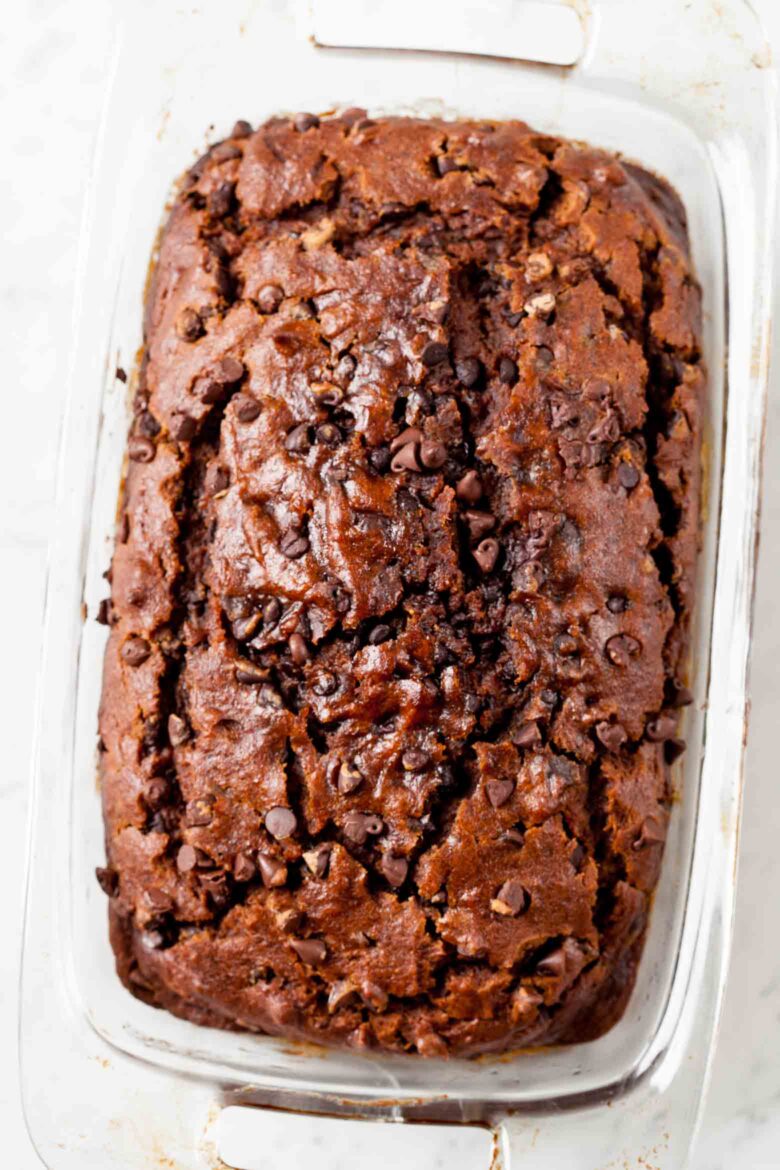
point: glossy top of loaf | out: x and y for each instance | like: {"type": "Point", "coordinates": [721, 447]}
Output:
{"type": "Point", "coordinates": [402, 586]}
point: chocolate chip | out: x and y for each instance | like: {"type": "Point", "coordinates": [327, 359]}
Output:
{"type": "Point", "coordinates": [159, 901]}
{"type": "Point", "coordinates": [616, 603]}
{"type": "Point", "coordinates": [628, 476]}
{"type": "Point", "coordinates": [269, 298]}
{"type": "Point", "coordinates": [499, 791]}
{"type": "Point", "coordinates": [415, 759]}
{"type": "Point", "coordinates": [189, 326]}
{"type": "Point", "coordinates": [394, 868]}
{"type": "Point", "coordinates": [468, 371]}
{"type": "Point", "coordinates": [553, 965]}
{"type": "Point", "coordinates": [681, 695]}
{"type": "Point", "coordinates": [445, 164]}
{"type": "Point", "coordinates": [245, 627]}
{"type": "Point", "coordinates": [298, 439]}
{"type": "Point", "coordinates": [527, 734]}
{"type": "Point", "coordinates": [135, 651]}
{"type": "Point", "coordinates": [199, 812]}
{"type": "Point", "coordinates": [340, 995]}
{"type": "Point", "coordinates": [621, 648]}
{"type": "Point", "coordinates": [293, 544]}
{"type": "Point", "coordinates": [486, 554]}
{"type": "Point", "coordinates": [186, 858]}
{"type": "Point", "coordinates": [408, 435]}
{"type": "Point", "coordinates": [325, 683]}
{"type": "Point", "coordinates": [178, 731]}
{"type": "Point", "coordinates": [272, 871]}
{"type": "Point", "coordinates": [507, 371]}
{"type": "Point", "coordinates": [247, 408]}
{"type": "Point", "coordinates": [548, 697]}
{"type": "Point", "coordinates": [157, 791]}
{"type": "Point", "coordinates": [250, 675]}
{"type": "Point", "coordinates": [349, 778]}
{"type": "Point", "coordinates": [469, 488]}
{"type": "Point", "coordinates": [224, 283]}
{"type": "Point", "coordinates": [243, 868]}
{"type": "Point", "coordinates": [479, 523]}
{"type": "Point", "coordinates": [317, 860]}
{"type": "Point", "coordinates": [141, 449]}
{"type": "Point", "coordinates": [290, 921]}
{"type": "Point", "coordinates": [281, 822]}
{"type": "Point", "coordinates": [673, 749]}
{"type": "Point", "coordinates": [241, 129]}
{"type": "Point", "coordinates": [108, 880]}
{"type": "Point", "coordinates": [406, 459]}
{"type": "Point", "coordinates": [432, 454]}
{"type": "Point", "coordinates": [210, 391]}
{"type": "Point", "coordinates": [103, 616]}
{"type": "Point", "coordinates": [310, 950]}
{"type": "Point", "coordinates": [433, 353]}
{"type": "Point", "coordinates": [661, 728]}
{"type": "Point", "coordinates": [299, 651]}
{"type": "Point", "coordinates": [651, 833]}
{"type": "Point", "coordinates": [380, 633]}
{"type": "Point", "coordinates": [120, 374]}
{"type": "Point", "coordinates": [272, 611]}
{"type": "Point", "coordinates": [304, 122]}
{"type": "Point", "coordinates": [612, 735]}
{"type": "Point", "coordinates": [220, 201]}
{"type": "Point", "coordinates": [359, 826]}
{"type": "Point", "coordinates": [216, 887]}
{"type": "Point", "coordinates": [224, 152]}
{"type": "Point", "coordinates": [185, 429]}
{"type": "Point", "coordinates": [229, 370]}
{"type": "Point", "coordinates": [512, 899]}
{"type": "Point", "coordinates": [379, 459]}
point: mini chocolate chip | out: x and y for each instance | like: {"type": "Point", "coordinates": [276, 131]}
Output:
{"type": "Point", "coordinates": [661, 728]}
{"type": "Point", "coordinates": [325, 683]}
{"type": "Point", "coordinates": [298, 439]}
{"type": "Point", "coordinates": [415, 759]}
{"type": "Point", "coordinates": [616, 603]}
{"type": "Point", "coordinates": [120, 374]}
{"type": "Point", "coordinates": [211, 391]}
{"type": "Point", "coordinates": [469, 371]}
{"type": "Point", "coordinates": [224, 152]}
{"type": "Point", "coordinates": [553, 965]}
{"type": "Point", "coordinates": [379, 459]}
{"type": "Point", "coordinates": [511, 900]}
{"type": "Point", "coordinates": [289, 921]}
{"type": "Point", "coordinates": [479, 523]}
{"type": "Point", "coordinates": [681, 695]}
{"type": "Point", "coordinates": [243, 868]}
{"type": "Point", "coordinates": [304, 122]}
{"type": "Point", "coordinates": [136, 650]}
{"type": "Point", "coordinates": [272, 871]}
{"type": "Point", "coordinates": [185, 428]}
{"type": "Point", "coordinates": [281, 822]}
{"type": "Point", "coordinates": [673, 749]}
{"type": "Point", "coordinates": [186, 858]}
{"type": "Point", "coordinates": [269, 298]}
{"type": "Point", "coordinates": [433, 353]}
{"type": "Point", "coordinates": [245, 627]}
{"type": "Point", "coordinates": [299, 651]}
{"type": "Point", "coordinates": [250, 675]}
{"type": "Point", "coordinates": [499, 791]}
{"type": "Point", "coordinates": [293, 544]}
{"type": "Point", "coordinates": [108, 880]}
{"type": "Point", "coordinates": [432, 454]}
{"type": "Point", "coordinates": [229, 370]}
{"type": "Point", "coordinates": [148, 425]}
{"type": "Point", "coordinates": [103, 616]}
{"type": "Point", "coordinates": [379, 634]}
{"type": "Point", "coordinates": [310, 950]}
{"type": "Point", "coordinates": [159, 901]}
{"type": "Point", "coordinates": [349, 778]}
{"type": "Point", "coordinates": [527, 734]}
{"type": "Point", "coordinates": [236, 605]}
{"type": "Point", "coordinates": [621, 648]}
{"type": "Point", "coordinates": [340, 995]}
{"type": "Point", "coordinates": [247, 408]}
{"type": "Point", "coordinates": [189, 326]}
{"type": "Point", "coordinates": [272, 611]}
{"type": "Point", "coordinates": [317, 860]}
{"type": "Point", "coordinates": [445, 164]}
{"type": "Point", "coordinates": [394, 868]}
{"type": "Point", "coordinates": [651, 833]}
{"type": "Point", "coordinates": [486, 554]}
{"type": "Point", "coordinates": [141, 449]}
{"type": "Point", "coordinates": [612, 735]}
{"type": "Point", "coordinates": [178, 731]}
{"type": "Point", "coordinates": [406, 459]}
{"type": "Point", "coordinates": [241, 129]}
{"type": "Point", "coordinates": [358, 826]}
{"type": "Point", "coordinates": [628, 476]}
{"type": "Point", "coordinates": [549, 697]}
{"type": "Point", "coordinates": [507, 371]}
{"type": "Point", "coordinates": [199, 812]}
{"type": "Point", "coordinates": [469, 488]}
{"type": "Point", "coordinates": [220, 201]}
{"type": "Point", "coordinates": [408, 435]}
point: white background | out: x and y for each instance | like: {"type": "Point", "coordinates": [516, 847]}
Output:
{"type": "Point", "coordinates": [52, 56]}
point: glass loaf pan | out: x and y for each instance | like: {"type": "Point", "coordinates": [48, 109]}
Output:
{"type": "Point", "coordinates": [686, 90]}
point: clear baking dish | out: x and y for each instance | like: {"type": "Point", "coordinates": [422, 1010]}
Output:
{"type": "Point", "coordinates": [684, 88]}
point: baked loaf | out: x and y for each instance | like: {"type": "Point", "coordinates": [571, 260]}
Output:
{"type": "Point", "coordinates": [402, 584]}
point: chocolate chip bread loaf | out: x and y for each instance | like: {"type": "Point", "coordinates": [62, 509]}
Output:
{"type": "Point", "coordinates": [402, 586]}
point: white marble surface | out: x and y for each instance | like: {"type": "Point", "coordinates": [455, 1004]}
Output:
{"type": "Point", "coordinates": [52, 56]}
